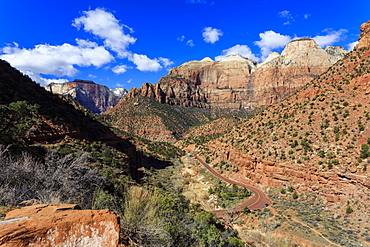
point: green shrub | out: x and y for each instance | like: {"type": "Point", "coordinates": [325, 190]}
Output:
{"type": "Point", "coordinates": [349, 210]}
{"type": "Point", "coordinates": [295, 195]}
{"type": "Point", "coordinates": [15, 120]}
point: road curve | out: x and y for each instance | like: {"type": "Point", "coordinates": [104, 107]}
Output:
{"type": "Point", "coordinates": [257, 201]}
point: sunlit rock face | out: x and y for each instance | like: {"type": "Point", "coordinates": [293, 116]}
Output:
{"type": "Point", "coordinates": [237, 82]}
{"type": "Point", "coordinates": [95, 97]}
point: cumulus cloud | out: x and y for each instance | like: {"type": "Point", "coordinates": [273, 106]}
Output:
{"type": "Point", "coordinates": [56, 60]}
{"type": "Point", "coordinates": [64, 60]}
{"type": "Point", "coordinates": [352, 45]}
{"type": "Point", "coordinates": [190, 43]}
{"type": "Point", "coordinates": [41, 80]}
{"type": "Point", "coordinates": [270, 40]}
{"type": "Point", "coordinates": [105, 25]}
{"type": "Point", "coordinates": [211, 35]}
{"type": "Point", "coordinates": [242, 50]}
{"type": "Point", "coordinates": [182, 38]}
{"type": "Point", "coordinates": [144, 63]}
{"type": "Point", "coordinates": [330, 38]}
{"type": "Point", "coordinates": [165, 61]}
{"type": "Point", "coordinates": [120, 69]}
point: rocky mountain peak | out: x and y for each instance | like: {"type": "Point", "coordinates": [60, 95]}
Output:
{"type": "Point", "coordinates": [235, 57]}
{"type": "Point", "coordinates": [83, 81]}
{"type": "Point", "coordinates": [300, 46]}
{"type": "Point", "coordinates": [364, 40]}
{"type": "Point", "coordinates": [207, 59]}
{"type": "Point", "coordinates": [95, 97]}
{"type": "Point", "coordinates": [119, 92]}
{"type": "Point", "coordinates": [270, 57]}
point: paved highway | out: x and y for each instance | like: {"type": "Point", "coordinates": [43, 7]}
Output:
{"type": "Point", "coordinates": [257, 201]}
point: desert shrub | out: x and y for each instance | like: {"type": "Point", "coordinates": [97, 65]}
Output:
{"type": "Point", "coordinates": [16, 119]}
{"type": "Point", "coordinates": [235, 242]}
{"type": "Point", "coordinates": [364, 151]}
{"type": "Point", "coordinates": [150, 217]}
{"type": "Point", "coordinates": [57, 178]}
{"type": "Point", "coordinates": [139, 218]}
{"type": "Point", "coordinates": [295, 195]}
{"type": "Point", "coordinates": [349, 210]}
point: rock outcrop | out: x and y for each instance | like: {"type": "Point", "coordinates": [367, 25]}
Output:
{"type": "Point", "coordinates": [364, 40]}
{"type": "Point", "coordinates": [240, 83]}
{"type": "Point", "coordinates": [95, 97]}
{"type": "Point", "coordinates": [59, 225]}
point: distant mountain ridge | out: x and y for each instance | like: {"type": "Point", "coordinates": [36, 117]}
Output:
{"type": "Point", "coordinates": [240, 83]}
{"type": "Point", "coordinates": [95, 97]}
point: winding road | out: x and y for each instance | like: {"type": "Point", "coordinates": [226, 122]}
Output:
{"type": "Point", "coordinates": [257, 201]}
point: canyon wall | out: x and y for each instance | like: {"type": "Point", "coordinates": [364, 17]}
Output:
{"type": "Point", "coordinates": [95, 97]}
{"type": "Point", "coordinates": [240, 83]}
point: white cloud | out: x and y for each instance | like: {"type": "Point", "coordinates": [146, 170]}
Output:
{"type": "Point", "coordinates": [41, 80]}
{"type": "Point", "coordinates": [129, 81]}
{"type": "Point", "coordinates": [330, 38]}
{"type": "Point", "coordinates": [86, 43]}
{"type": "Point", "coordinates": [165, 61]}
{"type": "Point", "coordinates": [285, 14]}
{"type": "Point", "coordinates": [120, 69]}
{"type": "Point", "coordinates": [211, 35]}
{"type": "Point", "coordinates": [182, 38]}
{"type": "Point", "coordinates": [242, 50]}
{"type": "Point", "coordinates": [271, 40]}
{"type": "Point", "coordinates": [190, 43]}
{"type": "Point", "coordinates": [92, 76]}
{"type": "Point", "coordinates": [56, 60]}
{"type": "Point", "coordinates": [196, 1]}
{"type": "Point", "coordinates": [306, 16]}
{"type": "Point", "coordinates": [143, 63]}
{"type": "Point", "coordinates": [352, 45]}
{"type": "Point", "coordinates": [105, 25]}
{"type": "Point", "coordinates": [64, 60]}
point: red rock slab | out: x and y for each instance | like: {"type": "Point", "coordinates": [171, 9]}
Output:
{"type": "Point", "coordinates": [59, 225]}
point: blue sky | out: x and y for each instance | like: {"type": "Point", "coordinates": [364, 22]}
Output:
{"type": "Point", "coordinates": [129, 42]}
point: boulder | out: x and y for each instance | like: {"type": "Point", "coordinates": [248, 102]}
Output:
{"type": "Point", "coordinates": [59, 225]}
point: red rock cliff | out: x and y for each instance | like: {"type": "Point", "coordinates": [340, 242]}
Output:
{"type": "Point", "coordinates": [238, 82]}
{"type": "Point", "coordinates": [95, 97]}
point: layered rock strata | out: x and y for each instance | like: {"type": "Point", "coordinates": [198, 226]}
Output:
{"type": "Point", "coordinates": [95, 97]}
{"type": "Point", "coordinates": [240, 83]}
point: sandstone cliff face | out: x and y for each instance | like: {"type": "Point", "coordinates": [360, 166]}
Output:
{"type": "Point", "coordinates": [95, 97]}
{"type": "Point", "coordinates": [59, 225]}
{"type": "Point", "coordinates": [238, 82]}
{"type": "Point", "coordinates": [300, 62]}
{"type": "Point", "coordinates": [364, 40]}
